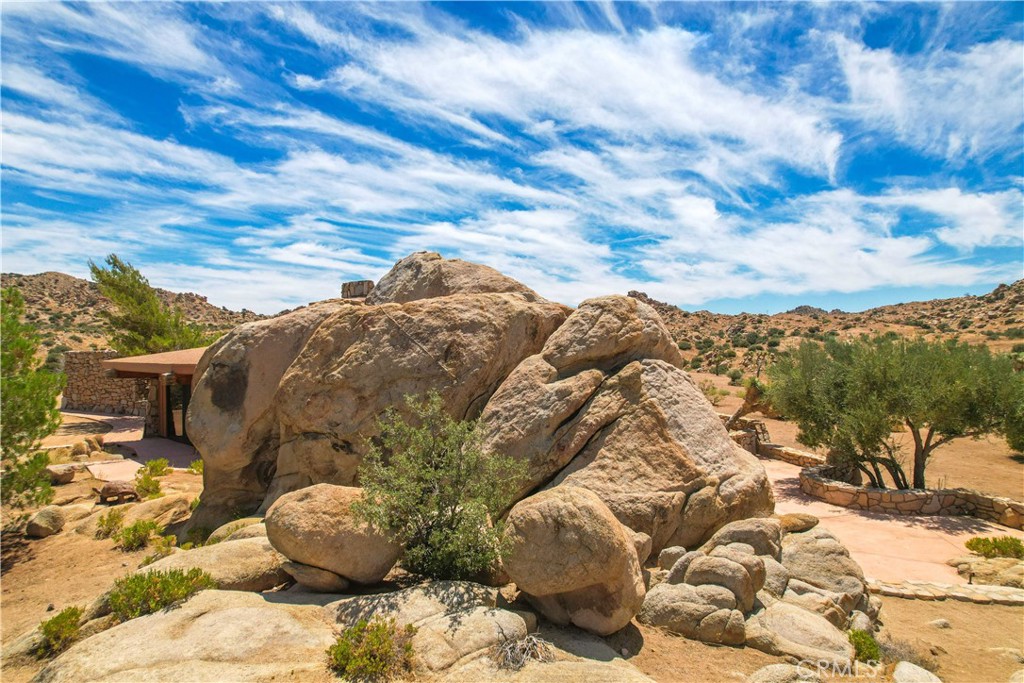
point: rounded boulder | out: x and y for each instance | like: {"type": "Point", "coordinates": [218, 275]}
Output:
{"type": "Point", "coordinates": [316, 526]}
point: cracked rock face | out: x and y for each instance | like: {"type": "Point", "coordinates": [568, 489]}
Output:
{"type": "Point", "coordinates": [605, 406]}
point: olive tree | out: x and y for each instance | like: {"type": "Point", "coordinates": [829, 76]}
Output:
{"type": "Point", "coordinates": [850, 397]}
{"type": "Point", "coordinates": [28, 406]}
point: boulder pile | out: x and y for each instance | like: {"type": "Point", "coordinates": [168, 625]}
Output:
{"type": "Point", "coordinates": [626, 461]}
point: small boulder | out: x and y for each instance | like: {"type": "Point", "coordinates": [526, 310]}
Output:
{"type": "Point", "coordinates": [818, 558]}
{"type": "Point", "coordinates": [940, 623]}
{"type": "Point", "coordinates": [796, 522]}
{"type": "Point", "coordinates": [668, 556]}
{"type": "Point", "coordinates": [247, 565]}
{"type": "Point", "coordinates": [250, 531]}
{"type": "Point", "coordinates": [574, 560]}
{"type": "Point", "coordinates": [677, 571]}
{"type": "Point", "coordinates": [859, 621]}
{"type": "Point", "coordinates": [686, 610]}
{"type": "Point", "coordinates": [788, 630]}
{"type": "Point", "coordinates": [763, 534]}
{"type": "Point", "coordinates": [61, 474]}
{"type": "Point", "coordinates": [316, 526]}
{"type": "Point", "coordinates": [316, 579]}
{"type": "Point", "coordinates": [46, 522]}
{"type": "Point", "coordinates": [464, 635]}
{"type": "Point", "coordinates": [222, 533]}
{"type": "Point", "coordinates": [728, 573]}
{"type": "Point", "coordinates": [905, 672]}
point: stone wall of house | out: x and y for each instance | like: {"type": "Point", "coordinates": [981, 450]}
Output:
{"type": "Point", "coordinates": [816, 481]}
{"type": "Point", "coordinates": [89, 389]}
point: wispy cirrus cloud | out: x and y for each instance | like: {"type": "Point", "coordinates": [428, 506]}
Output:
{"type": "Point", "coordinates": [698, 152]}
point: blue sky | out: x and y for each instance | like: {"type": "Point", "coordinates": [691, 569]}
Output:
{"type": "Point", "coordinates": [727, 156]}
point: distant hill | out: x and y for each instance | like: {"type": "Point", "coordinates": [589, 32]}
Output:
{"type": "Point", "coordinates": [65, 310]}
{"type": "Point", "coordinates": [995, 319]}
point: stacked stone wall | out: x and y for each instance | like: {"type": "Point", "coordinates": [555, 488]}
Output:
{"type": "Point", "coordinates": [816, 481]}
{"type": "Point", "coordinates": [89, 389]}
{"type": "Point", "coordinates": [790, 455]}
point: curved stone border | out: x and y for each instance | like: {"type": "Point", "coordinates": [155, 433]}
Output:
{"type": "Point", "coordinates": [924, 590]}
{"type": "Point", "coordinates": [816, 482]}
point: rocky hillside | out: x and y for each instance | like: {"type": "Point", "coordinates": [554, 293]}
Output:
{"type": "Point", "coordinates": [65, 310]}
{"type": "Point", "coordinates": [709, 339]}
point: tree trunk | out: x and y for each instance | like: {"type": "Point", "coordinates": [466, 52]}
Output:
{"type": "Point", "coordinates": [920, 458]}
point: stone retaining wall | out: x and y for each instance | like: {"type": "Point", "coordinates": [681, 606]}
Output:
{"type": "Point", "coordinates": [816, 481]}
{"type": "Point", "coordinates": [90, 390]}
{"type": "Point", "coordinates": [790, 455]}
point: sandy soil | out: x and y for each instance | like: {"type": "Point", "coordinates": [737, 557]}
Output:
{"type": "Point", "coordinates": [75, 428]}
{"type": "Point", "coordinates": [68, 568]}
{"type": "Point", "coordinates": [988, 465]}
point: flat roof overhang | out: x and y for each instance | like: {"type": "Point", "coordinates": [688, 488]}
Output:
{"type": "Point", "coordinates": [180, 363]}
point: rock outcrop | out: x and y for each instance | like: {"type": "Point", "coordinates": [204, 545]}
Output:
{"type": "Point", "coordinates": [249, 564]}
{"type": "Point", "coordinates": [215, 636]}
{"type": "Point", "coordinates": [605, 406]}
{"type": "Point", "coordinates": [292, 401]}
{"type": "Point", "coordinates": [574, 560]}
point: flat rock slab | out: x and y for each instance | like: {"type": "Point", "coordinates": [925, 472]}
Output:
{"type": "Point", "coordinates": [123, 470]}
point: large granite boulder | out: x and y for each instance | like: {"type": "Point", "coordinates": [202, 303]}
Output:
{"type": "Point", "coordinates": [788, 630]}
{"type": "Point", "coordinates": [284, 403]}
{"type": "Point", "coordinates": [214, 636]}
{"type": "Point", "coordinates": [232, 419]}
{"type": "Point", "coordinates": [428, 275]}
{"type": "Point", "coordinates": [574, 560]}
{"type": "Point", "coordinates": [315, 526]}
{"type": "Point", "coordinates": [605, 406]}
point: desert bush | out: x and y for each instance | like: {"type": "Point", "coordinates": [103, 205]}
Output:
{"type": "Point", "coordinates": [140, 594]}
{"type": "Point", "coordinates": [429, 484]}
{"type": "Point", "coordinates": [59, 631]}
{"type": "Point", "coordinates": [735, 376]}
{"type": "Point", "coordinates": [713, 393]}
{"type": "Point", "coordinates": [372, 650]}
{"type": "Point", "coordinates": [893, 650]}
{"type": "Point", "coordinates": [513, 654]}
{"type": "Point", "coordinates": [196, 466]}
{"type": "Point", "coordinates": [865, 646]}
{"type": "Point", "coordinates": [685, 345]}
{"type": "Point", "coordinates": [109, 523]}
{"type": "Point", "coordinates": [136, 536]}
{"type": "Point", "coordinates": [146, 486]}
{"type": "Point", "coordinates": [157, 468]}
{"type": "Point", "coordinates": [162, 547]}
{"type": "Point", "coordinates": [999, 546]}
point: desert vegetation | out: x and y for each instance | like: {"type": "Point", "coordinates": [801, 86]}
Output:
{"type": "Point", "coordinates": [851, 396]}
{"type": "Point", "coordinates": [431, 486]}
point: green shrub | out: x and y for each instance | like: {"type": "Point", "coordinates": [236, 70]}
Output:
{"type": "Point", "coordinates": [1018, 348]}
{"type": "Point", "coordinates": [162, 547]}
{"type": "Point", "coordinates": [713, 393]}
{"type": "Point", "coordinates": [158, 467]}
{"type": "Point", "coordinates": [372, 650]}
{"type": "Point", "coordinates": [109, 523]}
{"type": "Point", "coordinates": [146, 486]}
{"type": "Point", "coordinates": [197, 535]}
{"type": "Point", "coordinates": [685, 345]}
{"type": "Point", "coordinates": [429, 484]}
{"type": "Point", "coordinates": [140, 594]}
{"type": "Point", "coordinates": [1000, 546]}
{"type": "Point", "coordinates": [60, 631]}
{"type": "Point", "coordinates": [735, 376]}
{"type": "Point", "coordinates": [196, 467]}
{"type": "Point", "coordinates": [865, 646]}
{"type": "Point", "coordinates": [135, 536]}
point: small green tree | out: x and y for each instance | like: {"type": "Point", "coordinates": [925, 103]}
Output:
{"type": "Point", "coordinates": [851, 396]}
{"type": "Point", "coordinates": [142, 322]}
{"type": "Point", "coordinates": [430, 485]}
{"type": "Point", "coordinates": [28, 407]}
